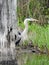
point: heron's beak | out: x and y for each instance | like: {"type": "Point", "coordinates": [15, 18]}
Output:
{"type": "Point", "coordinates": [35, 20]}
{"type": "Point", "coordinates": [32, 19]}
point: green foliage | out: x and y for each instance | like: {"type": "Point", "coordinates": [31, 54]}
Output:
{"type": "Point", "coordinates": [21, 24]}
{"type": "Point", "coordinates": [41, 5]}
{"type": "Point", "coordinates": [38, 9]}
{"type": "Point", "coordinates": [39, 34]}
{"type": "Point", "coordinates": [35, 59]}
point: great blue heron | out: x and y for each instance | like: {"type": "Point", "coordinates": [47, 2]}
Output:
{"type": "Point", "coordinates": [23, 35]}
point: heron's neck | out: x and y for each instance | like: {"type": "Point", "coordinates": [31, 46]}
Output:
{"type": "Point", "coordinates": [26, 28]}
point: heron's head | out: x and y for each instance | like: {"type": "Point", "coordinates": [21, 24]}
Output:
{"type": "Point", "coordinates": [29, 19]}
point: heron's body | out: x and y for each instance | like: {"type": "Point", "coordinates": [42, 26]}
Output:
{"type": "Point", "coordinates": [24, 35]}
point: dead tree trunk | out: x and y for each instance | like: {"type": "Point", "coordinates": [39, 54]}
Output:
{"type": "Point", "coordinates": [8, 20]}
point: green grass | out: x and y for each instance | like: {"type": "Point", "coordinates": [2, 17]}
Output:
{"type": "Point", "coordinates": [39, 34]}
{"type": "Point", "coordinates": [34, 59]}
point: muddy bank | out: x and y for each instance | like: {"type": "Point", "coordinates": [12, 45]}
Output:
{"type": "Point", "coordinates": [27, 51]}
{"type": "Point", "coordinates": [32, 49]}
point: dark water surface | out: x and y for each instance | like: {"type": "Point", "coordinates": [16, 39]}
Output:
{"type": "Point", "coordinates": [11, 62]}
